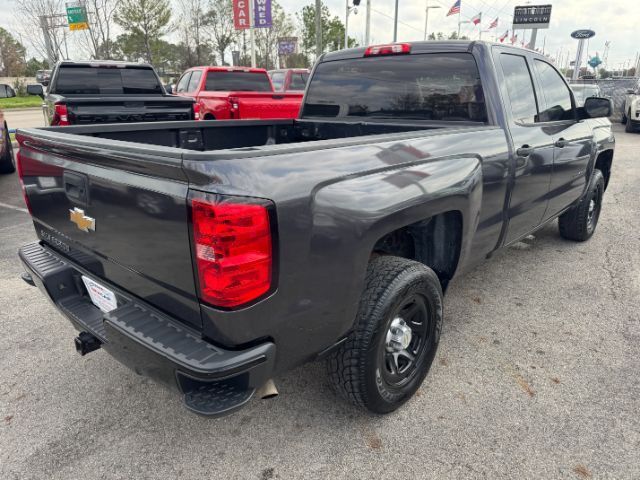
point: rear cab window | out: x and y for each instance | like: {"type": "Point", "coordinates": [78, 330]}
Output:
{"type": "Point", "coordinates": [298, 81]}
{"type": "Point", "coordinates": [237, 82]}
{"type": "Point", "coordinates": [106, 80]}
{"type": "Point", "coordinates": [427, 86]}
{"type": "Point", "coordinates": [277, 78]}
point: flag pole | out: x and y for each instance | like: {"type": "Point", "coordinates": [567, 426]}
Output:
{"type": "Point", "coordinates": [459, 24]}
{"type": "Point", "coordinates": [252, 37]}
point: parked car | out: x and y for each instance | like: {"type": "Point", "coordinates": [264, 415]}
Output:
{"type": "Point", "coordinates": [224, 93]}
{"type": "Point", "coordinates": [332, 236]}
{"type": "Point", "coordinates": [43, 77]}
{"type": "Point", "coordinates": [631, 109]}
{"type": "Point", "coordinates": [6, 91]}
{"type": "Point", "coordinates": [582, 91]}
{"type": "Point", "coordinates": [82, 93]}
{"type": "Point", "coordinates": [7, 161]}
{"type": "Point", "coordinates": [289, 79]}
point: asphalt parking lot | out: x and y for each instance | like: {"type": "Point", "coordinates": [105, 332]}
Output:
{"type": "Point", "coordinates": [536, 377]}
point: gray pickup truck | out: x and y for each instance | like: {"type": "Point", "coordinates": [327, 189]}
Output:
{"type": "Point", "coordinates": [213, 256]}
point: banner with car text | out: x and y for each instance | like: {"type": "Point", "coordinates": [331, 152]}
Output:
{"type": "Point", "coordinates": [241, 14]}
{"type": "Point", "coordinates": [261, 14]}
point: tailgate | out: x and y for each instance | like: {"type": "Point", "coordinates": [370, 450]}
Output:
{"type": "Point", "coordinates": [252, 105]}
{"type": "Point", "coordinates": [118, 210]}
{"type": "Point", "coordinates": [84, 111]}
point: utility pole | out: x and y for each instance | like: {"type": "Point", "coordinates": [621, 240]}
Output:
{"type": "Point", "coordinates": [395, 24]}
{"type": "Point", "coordinates": [51, 59]}
{"type": "Point", "coordinates": [318, 28]}
{"type": "Point", "coordinates": [367, 28]}
{"type": "Point", "coordinates": [252, 36]}
{"type": "Point", "coordinates": [346, 25]}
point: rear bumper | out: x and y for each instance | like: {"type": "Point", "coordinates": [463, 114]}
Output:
{"type": "Point", "coordinates": [213, 381]}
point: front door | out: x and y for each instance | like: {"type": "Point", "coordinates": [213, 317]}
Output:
{"type": "Point", "coordinates": [532, 143]}
{"type": "Point", "coordinates": [573, 140]}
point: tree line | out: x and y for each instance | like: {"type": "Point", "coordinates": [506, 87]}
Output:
{"type": "Point", "coordinates": [197, 32]}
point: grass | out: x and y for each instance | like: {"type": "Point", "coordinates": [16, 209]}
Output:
{"type": "Point", "coordinates": [20, 102]}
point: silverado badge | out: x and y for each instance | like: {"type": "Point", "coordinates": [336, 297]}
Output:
{"type": "Point", "coordinates": [83, 222]}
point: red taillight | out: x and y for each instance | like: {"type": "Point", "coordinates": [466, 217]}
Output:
{"type": "Point", "coordinates": [391, 49]}
{"type": "Point", "coordinates": [233, 251]}
{"type": "Point", "coordinates": [234, 108]}
{"type": "Point", "coordinates": [196, 111]}
{"type": "Point", "coordinates": [60, 116]}
{"type": "Point", "coordinates": [24, 190]}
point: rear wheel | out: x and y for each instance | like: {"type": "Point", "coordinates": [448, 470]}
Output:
{"type": "Point", "coordinates": [384, 361]}
{"type": "Point", "coordinates": [630, 124]}
{"type": "Point", "coordinates": [580, 222]}
{"type": "Point", "coordinates": [7, 162]}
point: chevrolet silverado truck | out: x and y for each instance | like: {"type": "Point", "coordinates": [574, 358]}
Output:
{"type": "Point", "coordinates": [332, 236]}
{"type": "Point", "coordinates": [224, 93]}
{"type": "Point", "coordinates": [83, 93]}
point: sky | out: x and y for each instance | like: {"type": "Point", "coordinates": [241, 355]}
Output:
{"type": "Point", "coordinates": [615, 21]}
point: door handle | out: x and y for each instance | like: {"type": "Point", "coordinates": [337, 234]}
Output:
{"type": "Point", "coordinates": [525, 151]}
{"type": "Point", "coordinates": [561, 143]}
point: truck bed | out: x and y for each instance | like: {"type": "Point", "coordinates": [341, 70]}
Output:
{"type": "Point", "coordinates": [207, 136]}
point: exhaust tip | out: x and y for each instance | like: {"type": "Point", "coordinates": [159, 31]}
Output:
{"type": "Point", "coordinates": [86, 343]}
{"type": "Point", "coordinates": [268, 390]}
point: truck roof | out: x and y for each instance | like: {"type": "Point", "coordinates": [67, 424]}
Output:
{"type": "Point", "coordinates": [424, 47]}
{"type": "Point", "coordinates": [216, 68]}
{"type": "Point", "coordinates": [104, 63]}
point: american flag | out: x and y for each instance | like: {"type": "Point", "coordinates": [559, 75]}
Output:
{"type": "Point", "coordinates": [477, 19]}
{"type": "Point", "coordinates": [504, 37]}
{"type": "Point", "coordinates": [455, 9]}
{"type": "Point", "coordinates": [494, 24]}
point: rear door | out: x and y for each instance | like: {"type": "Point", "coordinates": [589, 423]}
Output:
{"type": "Point", "coordinates": [532, 143]}
{"type": "Point", "coordinates": [573, 140]}
{"type": "Point", "coordinates": [116, 209]}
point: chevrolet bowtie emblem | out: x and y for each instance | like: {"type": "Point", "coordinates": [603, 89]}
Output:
{"type": "Point", "coordinates": [83, 222]}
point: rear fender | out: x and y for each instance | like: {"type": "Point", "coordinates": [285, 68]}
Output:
{"type": "Point", "coordinates": [350, 215]}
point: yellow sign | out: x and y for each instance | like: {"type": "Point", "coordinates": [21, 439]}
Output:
{"type": "Point", "coordinates": [78, 26]}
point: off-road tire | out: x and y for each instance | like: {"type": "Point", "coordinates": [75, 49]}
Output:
{"type": "Point", "coordinates": [354, 368]}
{"type": "Point", "coordinates": [577, 224]}
{"type": "Point", "coordinates": [7, 162]}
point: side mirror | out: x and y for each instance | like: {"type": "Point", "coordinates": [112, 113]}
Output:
{"type": "Point", "coordinates": [45, 82]}
{"type": "Point", "coordinates": [598, 107]}
{"type": "Point", "coordinates": [35, 90]}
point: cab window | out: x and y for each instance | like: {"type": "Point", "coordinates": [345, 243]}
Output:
{"type": "Point", "coordinates": [194, 81]}
{"type": "Point", "coordinates": [519, 87]}
{"type": "Point", "coordinates": [555, 92]}
{"type": "Point", "coordinates": [183, 83]}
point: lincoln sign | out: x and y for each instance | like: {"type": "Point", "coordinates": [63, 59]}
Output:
{"type": "Point", "coordinates": [531, 16]}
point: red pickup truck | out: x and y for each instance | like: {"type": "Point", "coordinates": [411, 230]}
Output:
{"type": "Point", "coordinates": [224, 93]}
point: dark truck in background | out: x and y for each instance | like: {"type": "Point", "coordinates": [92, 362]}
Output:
{"type": "Point", "coordinates": [332, 236]}
{"type": "Point", "coordinates": [85, 93]}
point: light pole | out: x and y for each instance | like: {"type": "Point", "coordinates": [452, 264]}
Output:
{"type": "Point", "coordinates": [348, 10]}
{"type": "Point", "coordinates": [426, 17]}
{"type": "Point", "coordinates": [460, 23]}
{"type": "Point", "coordinates": [367, 31]}
{"type": "Point", "coordinates": [395, 24]}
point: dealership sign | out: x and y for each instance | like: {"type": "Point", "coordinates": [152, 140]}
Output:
{"type": "Point", "coordinates": [583, 34]}
{"type": "Point", "coordinates": [287, 45]}
{"type": "Point", "coordinates": [531, 16]}
{"type": "Point", "coordinates": [261, 14]}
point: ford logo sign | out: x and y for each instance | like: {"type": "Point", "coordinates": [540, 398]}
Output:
{"type": "Point", "coordinates": [581, 34]}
